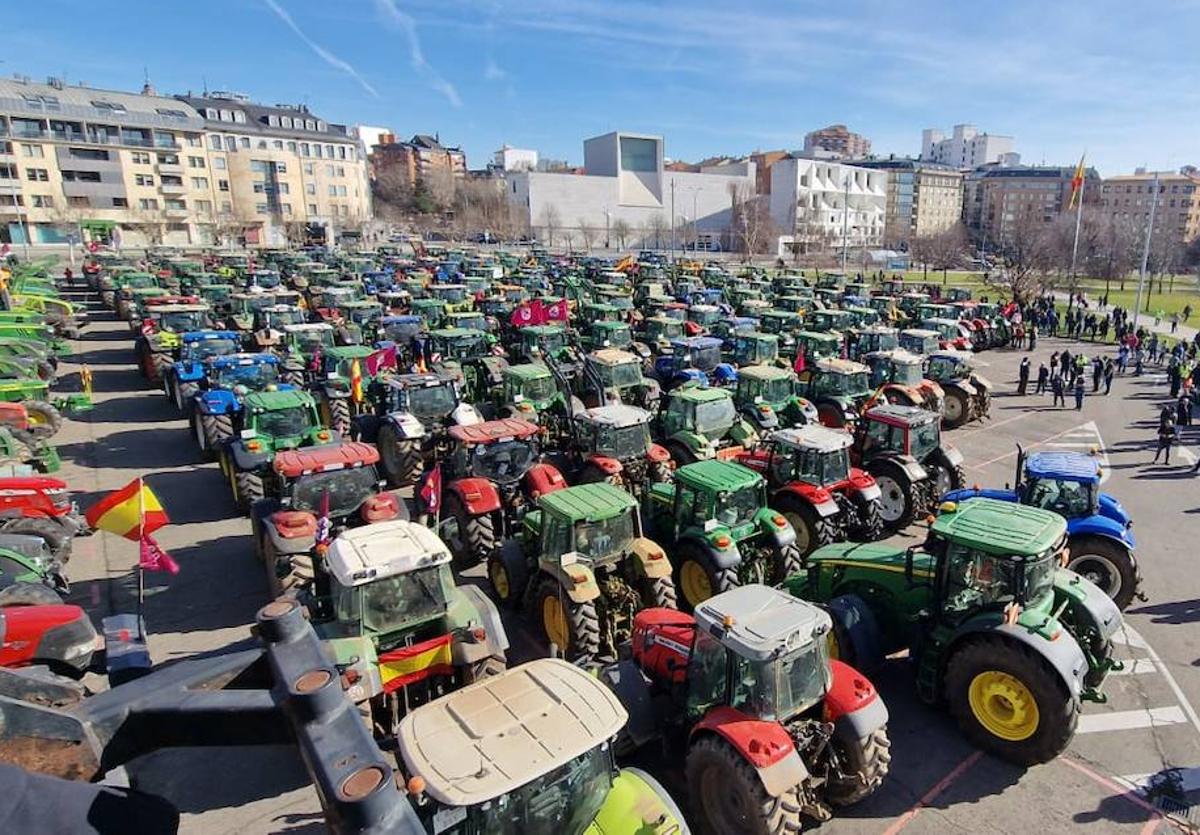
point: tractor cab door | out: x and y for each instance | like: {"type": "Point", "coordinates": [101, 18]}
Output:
{"type": "Point", "coordinates": [707, 677]}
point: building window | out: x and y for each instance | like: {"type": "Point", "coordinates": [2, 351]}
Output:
{"type": "Point", "coordinates": [304, 153]}
{"type": "Point", "coordinates": [41, 175]}
{"type": "Point", "coordinates": [333, 191]}
{"type": "Point", "coordinates": [239, 116]}
{"type": "Point", "coordinates": [312, 208]}
{"type": "Point", "coordinates": [33, 151]}
{"type": "Point", "coordinates": [318, 152]}
{"type": "Point", "coordinates": [260, 166]}
{"type": "Point", "coordinates": [287, 208]}
{"type": "Point", "coordinates": [214, 142]}
{"type": "Point", "coordinates": [80, 201]}
{"type": "Point", "coordinates": [244, 142]}
{"type": "Point", "coordinates": [260, 188]}
{"type": "Point", "coordinates": [11, 200]}
{"type": "Point", "coordinates": [230, 143]}
{"type": "Point", "coordinates": [309, 124]}
{"type": "Point", "coordinates": [140, 158]}
{"type": "Point", "coordinates": [143, 179]}
{"type": "Point", "coordinates": [341, 151]}
{"type": "Point", "coordinates": [219, 163]}
{"type": "Point", "coordinates": [291, 146]}
{"type": "Point", "coordinates": [8, 171]}
{"type": "Point", "coordinates": [196, 162]}
{"type": "Point", "coordinates": [203, 206]}
{"type": "Point", "coordinates": [341, 191]}
{"type": "Point", "coordinates": [171, 180]}
{"type": "Point", "coordinates": [284, 188]}
{"type": "Point", "coordinates": [120, 203]}
{"type": "Point", "coordinates": [277, 144]}
{"type": "Point", "coordinates": [194, 141]}
{"type": "Point", "coordinates": [281, 168]}
{"type": "Point", "coordinates": [310, 188]}
{"type": "Point", "coordinates": [175, 204]}
{"type": "Point", "coordinates": [226, 208]}
{"type": "Point", "coordinates": [308, 168]}
{"type": "Point", "coordinates": [108, 106]}
{"type": "Point", "coordinates": [222, 185]}
{"type": "Point", "coordinates": [81, 176]}
{"type": "Point", "coordinates": [261, 208]}
{"type": "Point", "coordinates": [43, 201]}
{"type": "Point", "coordinates": [148, 204]}
{"type": "Point", "coordinates": [168, 159]}
{"type": "Point", "coordinates": [341, 171]}
{"type": "Point", "coordinates": [200, 182]}
{"type": "Point", "coordinates": [87, 153]}
{"type": "Point", "coordinates": [262, 144]}
{"type": "Point", "coordinates": [328, 170]}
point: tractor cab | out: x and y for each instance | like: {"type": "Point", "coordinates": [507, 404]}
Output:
{"type": "Point", "coordinates": [692, 359]}
{"type": "Point", "coordinates": [838, 388]}
{"type": "Point", "coordinates": [618, 376]}
{"type": "Point", "coordinates": [872, 339]}
{"type": "Point", "coordinates": [608, 334]}
{"type": "Point", "coordinates": [541, 341]}
{"type": "Point", "coordinates": [243, 307]}
{"type": "Point", "coordinates": [902, 430]}
{"type": "Point", "coordinates": [932, 310]}
{"type": "Point", "coordinates": [178, 318]}
{"type": "Point", "coordinates": [704, 315]}
{"type": "Point", "coordinates": [529, 388]}
{"type": "Point", "coordinates": [274, 420]}
{"type": "Point", "coordinates": [1066, 483]}
{"type": "Point", "coordinates": [498, 451]}
{"type": "Point", "coordinates": [430, 398]}
{"type": "Point", "coordinates": [338, 481]}
{"type": "Point", "coordinates": [468, 319]}
{"type": "Point", "coordinates": [808, 454]}
{"type": "Point", "coordinates": [660, 330]}
{"type": "Point", "coordinates": [862, 316]}
{"type": "Point", "coordinates": [829, 321]}
{"type": "Point", "coordinates": [277, 317]}
{"type": "Point", "coordinates": [244, 373]}
{"type": "Point", "coordinates": [902, 377]}
{"type": "Point", "coordinates": [400, 330]}
{"type": "Point", "coordinates": [458, 344]}
{"type": "Point", "coordinates": [263, 281]}
{"type": "Point", "coordinates": [452, 296]}
{"type": "Point", "coordinates": [601, 312]}
{"type": "Point", "coordinates": [911, 302]}
{"type": "Point", "coordinates": [701, 423]}
{"type": "Point", "coordinates": [308, 339]}
{"type": "Point", "coordinates": [754, 348]}
{"type": "Point", "coordinates": [795, 302]}
{"type": "Point", "coordinates": [893, 286]}
{"type": "Point", "coordinates": [766, 396]}
{"type": "Point", "coordinates": [958, 294]}
{"type": "Point", "coordinates": [786, 324]}
{"type": "Point", "coordinates": [201, 346]}
{"type": "Point", "coordinates": [950, 333]}
{"type": "Point", "coordinates": [920, 341]}
{"type": "Point", "coordinates": [430, 310]}
{"type": "Point", "coordinates": [620, 432]}
{"type": "Point", "coordinates": [817, 346]}
{"type": "Point", "coordinates": [948, 366]}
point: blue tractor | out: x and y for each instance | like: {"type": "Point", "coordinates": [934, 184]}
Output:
{"type": "Point", "coordinates": [1099, 531]}
{"type": "Point", "coordinates": [694, 359]}
{"type": "Point", "coordinates": [378, 281]}
{"type": "Point", "coordinates": [217, 407]}
{"type": "Point", "coordinates": [186, 376]}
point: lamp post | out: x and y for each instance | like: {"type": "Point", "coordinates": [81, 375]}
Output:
{"type": "Point", "coordinates": [606, 238]}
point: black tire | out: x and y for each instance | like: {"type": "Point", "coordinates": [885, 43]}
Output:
{"type": "Point", "coordinates": [1057, 709]}
{"type": "Point", "coordinates": [249, 488]}
{"type": "Point", "coordinates": [812, 531]}
{"type": "Point", "coordinates": [583, 624]}
{"type": "Point", "coordinates": [508, 575]}
{"type": "Point", "coordinates": [476, 534]}
{"type": "Point", "coordinates": [869, 526]}
{"type": "Point", "coordinates": [29, 594]}
{"type": "Point", "coordinates": [217, 429]}
{"type": "Point", "coordinates": [785, 562]}
{"type": "Point", "coordinates": [946, 478]}
{"type": "Point", "coordinates": [719, 579]}
{"type": "Point", "coordinates": [956, 409]}
{"type": "Point", "coordinates": [1106, 564]}
{"type": "Point", "coordinates": [44, 419]}
{"type": "Point", "coordinates": [897, 503]}
{"type": "Point", "coordinates": [659, 592]}
{"type": "Point", "coordinates": [680, 454]}
{"type": "Point", "coordinates": [728, 795]}
{"type": "Point", "coordinates": [862, 765]}
{"type": "Point", "coordinates": [591, 474]}
{"type": "Point", "coordinates": [401, 457]}
{"type": "Point", "coordinates": [339, 415]}
{"type": "Point", "coordinates": [56, 537]}
{"type": "Point", "coordinates": [292, 377]}
{"type": "Point", "coordinates": [286, 575]}
{"type": "Point", "coordinates": [185, 395]}
{"type": "Point", "coordinates": [159, 363]}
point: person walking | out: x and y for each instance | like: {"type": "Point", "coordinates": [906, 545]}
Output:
{"type": "Point", "coordinates": [1078, 392]}
{"type": "Point", "coordinates": [1023, 376]}
{"type": "Point", "coordinates": [1097, 373]}
{"type": "Point", "coordinates": [1043, 378]}
{"type": "Point", "coordinates": [1104, 329]}
{"type": "Point", "coordinates": [1183, 412]}
{"type": "Point", "coordinates": [1166, 434]}
{"type": "Point", "coordinates": [1109, 370]}
{"type": "Point", "coordinates": [1058, 387]}
{"type": "Point", "coordinates": [1064, 360]}
{"type": "Point", "coordinates": [1032, 339]}
{"type": "Point", "coordinates": [1175, 376]}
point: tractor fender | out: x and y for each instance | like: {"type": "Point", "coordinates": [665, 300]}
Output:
{"type": "Point", "coordinates": [651, 559]}
{"type": "Point", "coordinates": [822, 500]}
{"type": "Point", "coordinates": [407, 426]}
{"type": "Point", "coordinates": [911, 466]}
{"type": "Point", "coordinates": [1101, 526]}
{"type": "Point", "coordinates": [217, 402]}
{"type": "Point", "coordinates": [606, 465]}
{"type": "Point", "coordinates": [291, 531]}
{"type": "Point", "coordinates": [1111, 508]}
{"type": "Point", "coordinates": [478, 495]}
{"type": "Point", "coordinates": [695, 443]}
{"type": "Point", "coordinates": [779, 535]}
{"type": "Point", "coordinates": [965, 387]}
{"type": "Point", "coordinates": [864, 485]}
{"type": "Point", "coordinates": [988, 493]}
{"type": "Point", "coordinates": [542, 479]}
{"type": "Point", "coordinates": [952, 455]}
{"type": "Point", "coordinates": [767, 746]}
{"type": "Point", "coordinates": [626, 680]}
{"type": "Point", "coordinates": [578, 581]}
{"type": "Point", "coordinates": [658, 454]}
{"type": "Point", "coordinates": [857, 624]}
{"type": "Point", "coordinates": [1064, 654]}
{"type": "Point", "coordinates": [189, 372]}
{"type": "Point", "coordinates": [852, 703]}
{"type": "Point", "coordinates": [489, 619]}
{"type": "Point", "coordinates": [982, 383]}
{"type": "Point", "coordinates": [1089, 604]}
{"type": "Point", "coordinates": [465, 414]}
{"type": "Point", "coordinates": [763, 417]}
{"type": "Point", "coordinates": [244, 459]}
{"type": "Point", "coordinates": [727, 557]}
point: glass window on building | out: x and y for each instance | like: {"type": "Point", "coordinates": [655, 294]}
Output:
{"type": "Point", "coordinates": [196, 162]}
{"type": "Point", "coordinates": [200, 182]}
{"type": "Point", "coordinates": [148, 203]}
{"type": "Point", "coordinates": [304, 153]}
{"type": "Point", "coordinates": [277, 144]}
{"type": "Point", "coordinates": [41, 175]}
{"type": "Point", "coordinates": [244, 142]}
{"type": "Point", "coordinates": [230, 143]}
{"type": "Point", "coordinates": [291, 146]}
{"type": "Point", "coordinates": [175, 204]}
{"type": "Point", "coordinates": [260, 208]}
{"type": "Point", "coordinates": [312, 208]}
{"type": "Point", "coordinates": [33, 151]}
{"type": "Point", "coordinates": [219, 163]}
{"type": "Point", "coordinates": [222, 185]}
{"type": "Point", "coordinates": [204, 206]}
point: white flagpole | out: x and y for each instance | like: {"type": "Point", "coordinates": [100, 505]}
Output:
{"type": "Point", "coordinates": [141, 571]}
{"type": "Point", "coordinates": [1137, 305]}
{"type": "Point", "coordinates": [1075, 245]}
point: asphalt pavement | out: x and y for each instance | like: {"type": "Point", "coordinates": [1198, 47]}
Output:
{"type": "Point", "coordinates": [938, 782]}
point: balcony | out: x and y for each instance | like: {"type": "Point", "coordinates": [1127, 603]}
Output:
{"type": "Point", "coordinates": [177, 214]}
{"type": "Point", "coordinates": [172, 188]}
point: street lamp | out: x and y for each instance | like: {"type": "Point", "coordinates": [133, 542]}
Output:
{"type": "Point", "coordinates": [607, 245]}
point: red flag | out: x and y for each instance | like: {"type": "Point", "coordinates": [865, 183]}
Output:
{"type": "Point", "coordinates": [431, 490]}
{"type": "Point", "coordinates": [132, 512]}
{"type": "Point", "coordinates": [798, 366]}
{"type": "Point", "coordinates": [521, 317]}
{"type": "Point", "coordinates": [557, 312]}
{"type": "Point", "coordinates": [151, 557]}
{"type": "Point", "coordinates": [538, 308]}
{"type": "Point", "coordinates": [4, 250]}
{"type": "Point", "coordinates": [381, 359]}
{"type": "Point", "coordinates": [147, 327]}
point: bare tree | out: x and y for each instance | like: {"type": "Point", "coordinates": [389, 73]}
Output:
{"type": "Point", "coordinates": [440, 184]}
{"type": "Point", "coordinates": [945, 250]}
{"type": "Point", "coordinates": [1023, 256]}
{"type": "Point", "coordinates": [621, 231]}
{"type": "Point", "coordinates": [551, 222]}
{"type": "Point", "coordinates": [393, 194]}
{"type": "Point", "coordinates": [587, 233]}
{"type": "Point", "coordinates": [752, 225]}
{"type": "Point", "coordinates": [657, 228]}
{"type": "Point", "coordinates": [151, 223]}
{"type": "Point", "coordinates": [1114, 250]}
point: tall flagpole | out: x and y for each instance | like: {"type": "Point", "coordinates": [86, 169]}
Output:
{"type": "Point", "coordinates": [1075, 245]}
{"type": "Point", "coordinates": [141, 571]}
{"type": "Point", "coordinates": [1137, 305]}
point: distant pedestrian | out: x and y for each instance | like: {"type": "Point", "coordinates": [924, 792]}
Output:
{"type": "Point", "coordinates": [1166, 434]}
{"type": "Point", "coordinates": [1138, 361]}
{"type": "Point", "coordinates": [1032, 338]}
{"type": "Point", "coordinates": [1058, 387]}
{"type": "Point", "coordinates": [1187, 313]}
{"type": "Point", "coordinates": [1023, 376]}
{"type": "Point", "coordinates": [1174, 322]}
{"type": "Point", "coordinates": [1078, 392]}
{"type": "Point", "coordinates": [1183, 411]}
{"type": "Point", "coordinates": [1097, 373]}
{"type": "Point", "coordinates": [1109, 370]}
{"type": "Point", "coordinates": [1064, 360]}
{"type": "Point", "coordinates": [1043, 378]}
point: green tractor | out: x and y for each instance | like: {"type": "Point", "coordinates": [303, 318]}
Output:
{"type": "Point", "coordinates": [45, 411]}
{"type": "Point", "coordinates": [766, 397]}
{"type": "Point", "coordinates": [997, 629]}
{"type": "Point", "coordinates": [838, 388]}
{"type": "Point", "coordinates": [302, 346]}
{"type": "Point", "coordinates": [698, 424]}
{"type": "Point", "coordinates": [272, 420]}
{"type": "Point", "coordinates": [715, 520]}
{"type": "Point", "coordinates": [610, 375]}
{"type": "Point", "coordinates": [581, 563]}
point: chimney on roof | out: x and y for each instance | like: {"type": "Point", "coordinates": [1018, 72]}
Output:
{"type": "Point", "coordinates": [54, 82]}
{"type": "Point", "coordinates": [148, 89]}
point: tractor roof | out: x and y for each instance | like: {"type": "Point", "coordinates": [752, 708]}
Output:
{"type": "Point", "coordinates": [953, 356]}
{"type": "Point", "coordinates": [608, 324]}
{"type": "Point", "coordinates": [498, 734]}
{"type": "Point", "coordinates": [899, 415]}
{"type": "Point", "coordinates": [374, 552]}
{"type": "Point", "coordinates": [277, 400]}
{"type": "Point", "coordinates": [612, 356]}
{"type": "Point", "coordinates": [587, 502]}
{"type": "Point", "coordinates": [998, 527]}
{"type": "Point", "coordinates": [307, 327]}
{"type": "Point", "coordinates": [527, 371]}
{"type": "Point", "coordinates": [204, 336]}
{"type": "Point", "coordinates": [688, 342]}
{"type": "Point", "coordinates": [814, 436]}
{"type": "Point", "coordinates": [543, 330]}
{"type": "Point", "coordinates": [898, 356]}
{"type": "Point", "coordinates": [454, 333]}
{"type": "Point", "coordinates": [232, 360]}
{"type": "Point", "coordinates": [618, 416]}
{"type": "Point", "coordinates": [719, 476]}
{"type": "Point", "coordinates": [696, 394]}
{"type": "Point", "coordinates": [406, 319]}
{"type": "Point", "coordinates": [293, 463]}
{"type": "Point", "coordinates": [409, 381]}
{"type": "Point", "coordinates": [346, 352]}
{"type": "Point", "coordinates": [817, 336]}
{"type": "Point", "coordinates": [158, 310]}
{"type": "Point", "coordinates": [493, 430]}
{"type": "Point", "coordinates": [763, 372]}
{"type": "Point", "coordinates": [833, 365]}
{"type": "Point", "coordinates": [1070, 466]}
{"type": "Point", "coordinates": [920, 333]}
{"type": "Point", "coordinates": [761, 623]}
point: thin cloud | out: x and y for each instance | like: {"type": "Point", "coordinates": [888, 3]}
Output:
{"type": "Point", "coordinates": [492, 71]}
{"type": "Point", "coordinates": [322, 53]}
{"type": "Point", "coordinates": [405, 23]}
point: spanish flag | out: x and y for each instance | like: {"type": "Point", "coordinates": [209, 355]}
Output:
{"type": "Point", "coordinates": [132, 512]}
{"type": "Point", "coordinates": [406, 665]}
{"type": "Point", "coordinates": [1077, 183]}
{"type": "Point", "coordinates": [356, 388]}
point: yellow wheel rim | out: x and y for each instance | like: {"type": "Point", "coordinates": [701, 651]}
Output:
{"type": "Point", "coordinates": [499, 578]}
{"type": "Point", "coordinates": [554, 622]}
{"type": "Point", "coordinates": [694, 580]}
{"type": "Point", "coordinates": [1003, 705]}
{"type": "Point", "coordinates": [37, 419]}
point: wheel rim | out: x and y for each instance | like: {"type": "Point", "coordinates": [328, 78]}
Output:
{"type": "Point", "coordinates": [554, 622]}
{"type": "Point", "coordinates": [803, 540]}
{"type": "Point", "coordinates": [1100, 570]}
{"type": "Point", "coordinates": [941, 480]}
{"type": "Point", "coordinates": [1003, 705]}
{"type": "Point", "coordinates": [891, 499]}
{"type": "Point", "coordinates": [36, 418]}
{"type": "Point", "coordinates": [498, 574]}
{"type": "Point", "coordinates": [694, 579]}
{"type": "Point", "coordinates": [953, 408]}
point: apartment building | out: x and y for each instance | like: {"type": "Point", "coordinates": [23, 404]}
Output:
{"type": "Point", "coordinates": [837, 142]}
{"type": "Point", "coordinates": [1177, 216]}
{"type": "Point", "coordinates": [84, 163]}
{"type": "Point", "coordinates": [966, 147]}
{"type": "Point", "coordinates": [922, 198]}
{"type": "Point", "coordinates": [818, 202]}
{"type": "Point", "coordinates": [416, 160]}
{"type": "Point", "coordinates": [996, 198]}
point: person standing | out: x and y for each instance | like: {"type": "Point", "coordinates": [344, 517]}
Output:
{"type": "Point", "coordinates": [1043, 378]}
{"type": "Point", "coordinates": [1175, 376]}
{"type": "Point", "coordinates": [1058, 387]}
{"type": "Point", "coordinates": [1097, 373]}
{"type": "Point", "coordinates": [1109, 370]}
{"type": "Point", "coordinates": [1166, 434]}
{"type": "Point", "coordinates": [1183, 412]}
{"type": "Point", "coordinates": [1064, 360]}
{"type": "Point", "coordinates": [1078, 392]}
{"type": "Point", "coordinates": [1023, 376]}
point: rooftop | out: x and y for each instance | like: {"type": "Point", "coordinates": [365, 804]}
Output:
{"type": "Point", "coordinates": [1001, 528]}
{"type": "Point", "coordinates": [722, 476]}
{"type": "Point", "coordinates": [384, 549]}
{"type": "Point", "coordinates": [764, 622]}
{"type": "Point", "coordinates": [587, 502]}
{"type": "Point", "coordinates": [28, 99]}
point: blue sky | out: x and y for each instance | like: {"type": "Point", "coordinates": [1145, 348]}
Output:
{"type": "Point", "coordinates": [1116, 79]}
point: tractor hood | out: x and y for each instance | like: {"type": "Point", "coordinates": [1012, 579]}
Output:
{"type": "Point", "coordinates": [885, 557]}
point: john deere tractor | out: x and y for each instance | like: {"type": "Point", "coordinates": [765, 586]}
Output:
{"type": "Point", "coordinates": [697, 424]}
{"type": "Point", "coordinates": [581, 563]}
{"type": "Point", "coordinates": [968, 395]}
{"type": "Point", "coordinates": [997, 629]}
{"type": "Point", "coordinates": [766, 397]}
{"type": "Point", "coordinates": [714, 519]}
{"type": "Point", "coordinates": [838, 388]}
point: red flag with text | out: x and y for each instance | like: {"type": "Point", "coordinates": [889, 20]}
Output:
{"type": "Point", "coordinates": [431, 490]}
{"type": "Point", "coordinates": [381, 359]}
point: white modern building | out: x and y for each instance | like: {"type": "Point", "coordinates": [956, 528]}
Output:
{"type": "Point", "coordinates": [966, 148]}
{"type": "Point", "coordinates": [626, 186]}
{"type": "Point", "coordinates": [819, 204]}
{"type": "Point", "coordinates": [509, 158]}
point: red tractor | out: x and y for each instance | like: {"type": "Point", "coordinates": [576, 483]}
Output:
{"type": "Point", "coordinates": [769, 727]}
{"type": "Point", "coordinates": [813, 485]}
{"type": "Point", "coordinates": [58, 636]}
{"type": "Point", "coordinates": [494, 476]}
{"type": "Point", "coordinates": [41, 506]}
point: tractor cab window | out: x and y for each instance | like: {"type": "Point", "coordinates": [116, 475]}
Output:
{"type": "Point", "coordinates": [1069, 499]}
{"type": "Point", "coordinates": [623, 443]}
{"type": "Point", "coordinates": [284, 423]}
{"type": "Point", "coordinates": [882, 436]}
{"type": "Point", "coordinates": [566, 799]}
{"type": "Point", "coordinates": [924, 438]}
{"type": "Point", "coordinates": [431, 402]}
{"type": "Point", "coordinates": [256, 376]}
{"type": "Point", "coordinates": [503, 461]}
{"type": "Point", "coordinates": [776, 390]}
{"type": "Point", "coordinates": [346, 489]}
{"type": "Point", "coordinates": [705, 359]}
{"type": "Point", "coordinates": [615, 337]}
{"type": "Point", "coordinates": [943, 369]}
{"type": "Point", "coordinates": [394, 602]}
{"type": "Point", "coordinates": [706, 674]}
{"type": "Point", "coordinates": [183, 322]}
{"type": "Point", "coordinates": [737, 508]}
{"type": "Point", "coordinates": [690, 506]}
{"type": "Point", "coordinates": [556, 537]}
{"type": "Point", "coordinates": [620, 375]}
{"type": "Point", "coordinates": [597, 540]}
{"type": "Point", "coordinates": [207, 348]}
{"type": "Point", "coordinates": [975, 579]}
{"type": "Point", "coordinates": [906, 374]}
{"type": "Point", "coordinates": [715, 415]}
{"type": "Point", "coordinates": [536, 388]}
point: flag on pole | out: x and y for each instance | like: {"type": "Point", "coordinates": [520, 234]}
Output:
{"type": "Point", "coordinates": [406, 665]}
{"type": "Point", "coordinates": [133, 512]}
{"type": "Point", "coordinates": [381, 359]}
{"type": "Point", "coordinates": [557, 312]}
{"type": "Point", "coordinates": [1077, 183]}
{"type": "Point", "coordinates": [431, 490]}
{"type": "Point", "coordinates": [151, 557]}
{"type": "Point", "coordinates": [799, 365]}
{"type": "Point", "coordinates": [324, 534]}
{"type": "Point", "coordinates": [356, 381]}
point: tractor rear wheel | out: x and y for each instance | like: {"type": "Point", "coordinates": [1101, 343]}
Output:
{"type": "Point", "coordinates": [869, 527]}
{"type": "Point", "coordinates": [44, 419]}
{"type": "Point", "coordinates": [1106, 564]}
{"type": "Point", "coordinates": [401, 457]}
{"type": "Point", "coordinates": [216, 429]}
{"type": "Point", "coordinates": [508, 575]}
{"type": "Point", "coordinates": [249, 488]}
{"type": "Point", "coordinates": [861, 766]}
{"type": "Point", "coordinates": [1010, 701]}
{"type": "Point", "coordinates": [956, 409]}
{"type": "Point", "coordinates": [785, 562]}
{"type": "Point", "coordinates": [812, 531]}
{"type": "Point", "coordinates": [659, 592]}
{"type": "Point", "coordinates": [897, 505]}
{"type": "Point", "coordinates": [286, 574]}
{"type": "Point", "coordinates": [56, 537]}
{"type": "Point", "coordinates": [185, 393]}
{"type": "Point", "coordinates": [947, 478]}
{"type": "Point", "coordinates": [680, 454]}
{"type": "Point", "coordinates": [159, 363]}
{"type": "Point", "coordinates": [728, 795]}
{"type": "Point", "coordinates": [339, 415]}
{"type": "Point", "coordinates": [699, 577]}
{"type": "Point", "coordinates": [573, 627]}
{"type": "Point", "coordinates": [476, 534]}
{"type": "Point", "coordinates": [292, 377]}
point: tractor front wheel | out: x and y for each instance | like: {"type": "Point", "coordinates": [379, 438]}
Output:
{"type": "Point", "coordinates": [659, 592]}
{"type": "Point", "coordinates": [292, 377]}
{"type": "Point", "coordinates": [508, 574]}
{"type": "Point", "coordinates": [248, 488]}
{"type": "Point", "coordinates": [44, 419]}
{"type": "Point", "coordinates": [728, 795]}
{"type": "Point", "coordinates": [1010, 701]}
{"type": "Point", "coordinates": [869, 525]}
{"type": "Point", "coordinates": [56, 537]}
{"type": "Point", "coordinates": [476, 534]}
{"type": "Point", "coordinates": [185, 393]}
{"type": "Point", "coordinates": [861, 765]}
{"type": "Point", "coordinates": [1108, 565]}
{"type": "Point", "coordinates": [947, 478]}
{"type": "Point", "coordinates": [211, 432]}
{"type": "Point", "coordinates": [956, 409]}
{"type": "Point", "coordinates": [699, 577]}
{"type": "Point", "coordinates": [338, 413]}
{"type": "Point", "coordinates": [897, 499]}
{"type": "Point", "coordinates": [287, 574]}
{"type": "Point", "coordinates": [401, 457]}
{"type": "Point", "coordinates": [785, 562]}
{"type": "Point", "coordinates": [572, 627]}
{"type": "Point", "coordinates": [812, 531]}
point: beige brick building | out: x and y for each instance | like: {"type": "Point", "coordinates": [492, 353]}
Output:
{"type": "Point", "coordinates": [1177, 218]}
{"type": "Point", "coordinates": [922, 198]}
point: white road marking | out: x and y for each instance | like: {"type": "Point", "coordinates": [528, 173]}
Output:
{"type": "Point", "coordinates": [1171, 682]}
{"type": "Point", "coordinates": [1137, 667]}
{"type": "Point", "coordinates": [1129, 638]}
{"type": "Point", "coordinates": [1121, 720]}
{"type": "Point", "coordinates": [1189, 779]}
{"type": "Point", "coordinates": [1187, 455]}
{"type": "Point", "coordinates": [1084, 444]}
